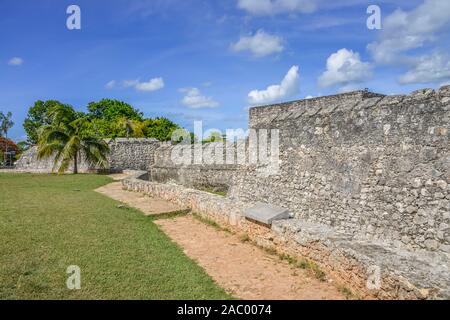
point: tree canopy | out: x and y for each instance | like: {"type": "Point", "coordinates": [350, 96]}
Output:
{"type": "Point", "coordinates": [111, 110]}
{"type": "Point", "coordinates": [38, 116]}
{"type": "Point", "coordinates": [107, 119]}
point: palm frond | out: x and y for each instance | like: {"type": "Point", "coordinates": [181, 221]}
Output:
{"type": "Point", "coordinates": [95, 152]}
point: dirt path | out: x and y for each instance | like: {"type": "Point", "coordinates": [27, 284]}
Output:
{"type": "Point", "coordinates": [149, 206]}
{"type": "Point", "coordinates": [243, 269]}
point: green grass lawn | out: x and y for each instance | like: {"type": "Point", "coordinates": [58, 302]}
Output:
{"type": "Point", "coordinates": [48, 222]}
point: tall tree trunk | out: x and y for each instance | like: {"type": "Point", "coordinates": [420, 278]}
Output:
{"type": "Point", "coordinates": [75, 163]}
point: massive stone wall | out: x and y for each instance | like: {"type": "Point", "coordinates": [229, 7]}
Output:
{"type": "Point", "coordinates": [375, 167]}
{"type": "Point", "coordinates": [133, 154]}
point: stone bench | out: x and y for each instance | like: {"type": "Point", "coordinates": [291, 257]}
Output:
{"type": "Point", "coordinates": [266, 214]}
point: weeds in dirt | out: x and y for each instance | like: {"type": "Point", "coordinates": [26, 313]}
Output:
{"type": "Point", "coordinates": [170, 215]}
{"type": "Point", "coordinates": [244, 238]}
{"type": "Point", "coordinates": [349, 295]}
{"type": "Point", "coordinates": [296, 262]}
{"type": "Point", "coordinates": [211, 223]}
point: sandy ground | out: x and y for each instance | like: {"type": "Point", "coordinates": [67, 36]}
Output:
{"type": "Point", "coordinates": [149, 206]}
{"type": "Point", "coordinates": [243, 269]}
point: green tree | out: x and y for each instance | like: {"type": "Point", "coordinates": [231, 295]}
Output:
{"type": "Point", "coordinates": [111, 110]}
{"type": "Point", "coordinates": [160, 128]}
{"type": "Point", "coordinates": [38, 116]}
{"type": "Point", "coordinates": [131, 128]}
{"type": "Point", "coordinates": [66, 139]}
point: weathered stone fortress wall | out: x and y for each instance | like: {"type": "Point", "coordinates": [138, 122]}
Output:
{"type": "Point", "coordinates": [370, 166]}
{"type": "Point", "coordinates": [133, 154]}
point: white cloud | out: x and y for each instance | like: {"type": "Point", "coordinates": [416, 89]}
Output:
{"type": "Point", "coordinates": [403, 31]}
{"type": "Point", "coordinates": [289, 86]}
{"type": "Point", "coordinates": [111, 84]}
{"type": "Point", "coordinates": [129, 83]}
{"type": "Point", "coordinates": [151, 85]}
{"type": "Point", "coordinates": [16, 61]}
{"type": "Point", "coordinates": [195, 100]}
{"type": "Point", "coordinates": [345, 67]}
{"type": "Point", "coordinates": [271, 7]}
{"type": "Point", "coordinates": [431, 68]}
{"type": "Point", "coordinates": [260, 44]}
{"type": "Point", "coordinates": [350, 87]}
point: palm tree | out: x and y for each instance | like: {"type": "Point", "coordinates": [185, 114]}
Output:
{"type": "Point", "coordinates": [5, 123]}
{"type": "Point", "coordinates": [65, 138]}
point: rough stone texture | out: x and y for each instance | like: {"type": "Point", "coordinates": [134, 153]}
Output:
{"type": "Point", "coordinates": [376, 168]}
{"type": "Point", "coordinates": [134, 154]}
{"type": "Point", "coordinates": [28, 162]}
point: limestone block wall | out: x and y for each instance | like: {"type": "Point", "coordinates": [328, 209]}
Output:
{"type": "Point", "coordinates": [28, 162]}
{"type": "Point", "coordinates": [373, 167]}
{"type": "Point", "coordinates": [133, 154]}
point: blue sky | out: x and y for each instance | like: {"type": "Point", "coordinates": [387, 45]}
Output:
{"type": "Point", "coordinates": [211, 59]}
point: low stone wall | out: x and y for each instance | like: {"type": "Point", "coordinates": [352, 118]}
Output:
{"type": "Point", "coordinates": [348, 262]}
{"type": "Point", "coordinates": [29, 162]}
{"type": "Point", "coordinates": [133, 154]}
